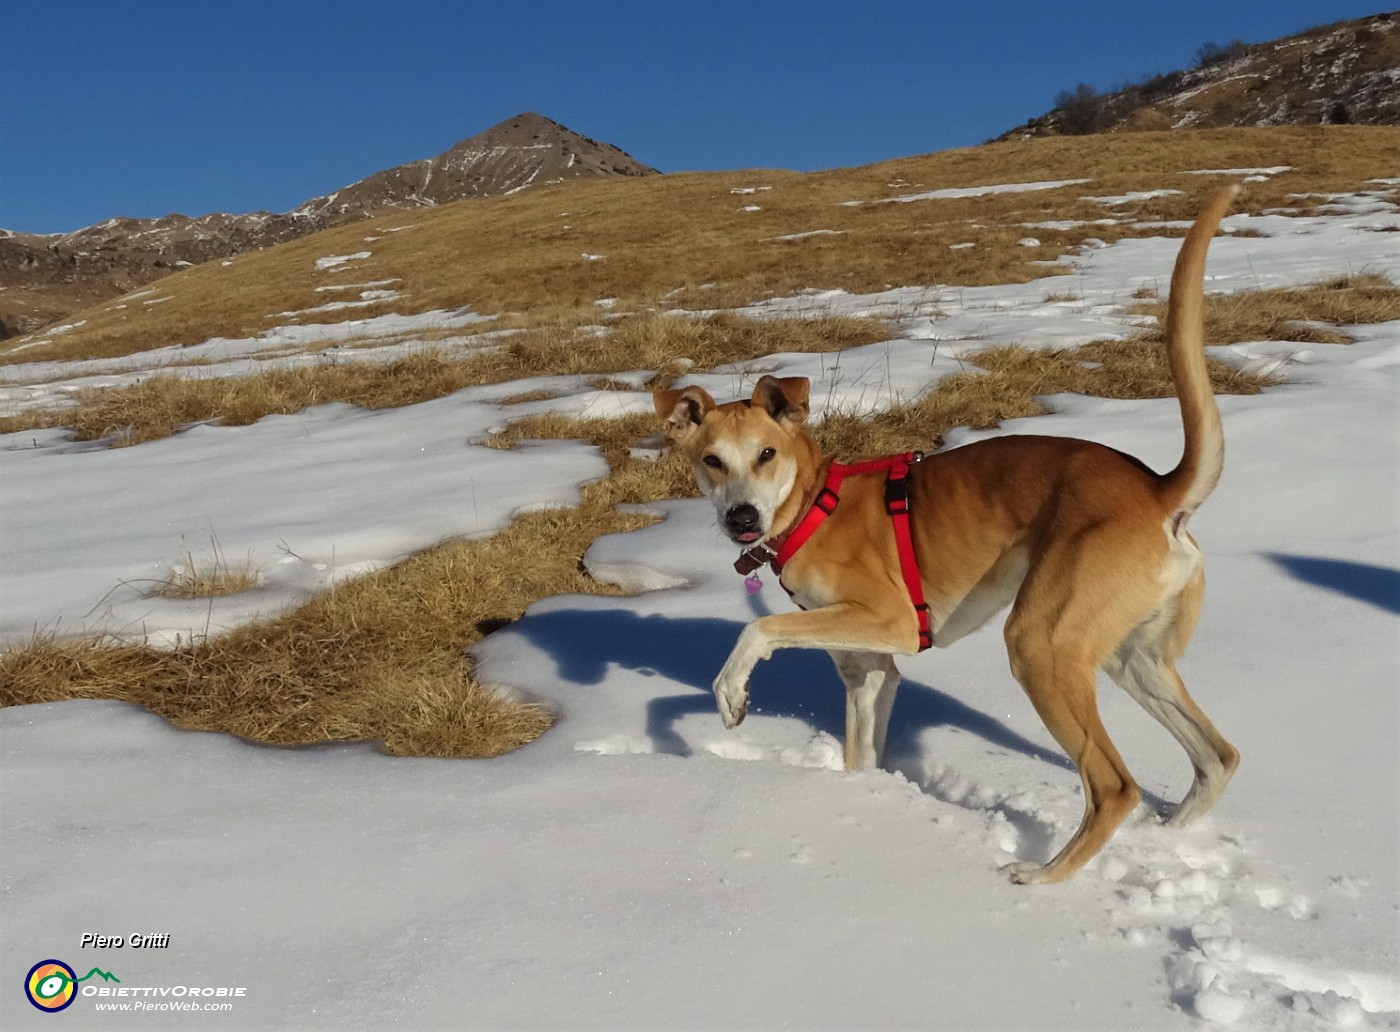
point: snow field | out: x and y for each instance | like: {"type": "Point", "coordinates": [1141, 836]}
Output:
{"type": "Point", "coordinates": [51, 384]}
{"type": "Point", "coordinates": [625, 870]}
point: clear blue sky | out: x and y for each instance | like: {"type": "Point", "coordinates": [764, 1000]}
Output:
{"type": "Point", "coordinates": [145, 107]}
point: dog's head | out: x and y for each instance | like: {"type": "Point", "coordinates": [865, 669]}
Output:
{"type": "Point", "coordinates": [745, 453]}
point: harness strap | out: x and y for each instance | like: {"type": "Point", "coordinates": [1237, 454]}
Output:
{"type": "Point", "coordinates": [822, 506]}
{"type": "Point", "coordinates": [897, 505]}
{"type": "Point", "coordinates": [896, 469]}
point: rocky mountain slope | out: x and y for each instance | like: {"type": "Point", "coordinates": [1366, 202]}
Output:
{"type": "Point", "coordinates": [1346, 72]}
{"type": "Point", "coordinates": [45, 277]}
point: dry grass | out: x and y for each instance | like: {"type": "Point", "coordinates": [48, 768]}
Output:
{"type": "Point", "coordinates": [1007, 388]}
{"type": "Point", "coordinates": [381, 657]}
{"type": "Point", "coordinates": [527, 396]}
{"type": "Point", "coordinates": [632, 479]}
{"type": "Point", "coordinates": [1286, 314]}
{"type": "Point", "coordinates": [161, 405]}
{"type": "Point", "coordinates": [668, 344]}
{"type": "Point", "coordinates": [376, 658]}
{"type": "Point", "coordinates": [1012, 380]}
{"type": "Point", "coordinates": [207, 577]}
{"type": "Point", "coordinates": [682, 240]}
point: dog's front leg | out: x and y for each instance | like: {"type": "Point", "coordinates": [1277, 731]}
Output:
{"type": "Point", "coordinates": [731, 687]}
{"type": "Point", "coordinates": [845, 627]}
{"type": "Point", "coordinates": [871, 680]}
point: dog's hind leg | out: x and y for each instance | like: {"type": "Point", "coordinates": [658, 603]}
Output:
{"type": "Point", "coordinates": [871, 680]}
{"type": "Point", "coordinates": [1081, 597]}
{"type": "Point", "coordinates": [1063, 692]}
{"type": "Point", "coordinates": [1143, 666]}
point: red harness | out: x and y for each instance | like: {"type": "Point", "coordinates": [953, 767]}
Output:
{"type": "Point", "coordinates": [896, 469]}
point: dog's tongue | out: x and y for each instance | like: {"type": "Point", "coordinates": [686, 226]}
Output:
{"type": "Point", "coordinates": [749, 538]}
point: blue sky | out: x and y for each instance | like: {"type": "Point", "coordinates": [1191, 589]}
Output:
{"type": "Point", "coordinates": [146, 107]}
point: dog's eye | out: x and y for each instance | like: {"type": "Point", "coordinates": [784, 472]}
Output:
{"type": "Point", "coordinates": [766, 455]}
{"type": "Point", "coordinates": [713, 462]}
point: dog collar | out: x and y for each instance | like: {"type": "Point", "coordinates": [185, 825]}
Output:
{"type": "Point", "coordinates": [777, 551]}
{"type": "Point", "coordinates": [765, 553]}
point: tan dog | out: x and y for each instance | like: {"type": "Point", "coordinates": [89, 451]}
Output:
{"type": "Point", "coordinates": [1087, 545]}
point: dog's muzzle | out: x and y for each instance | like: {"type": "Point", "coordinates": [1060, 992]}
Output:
{"type": "Point", "coordinates": [743, 523]}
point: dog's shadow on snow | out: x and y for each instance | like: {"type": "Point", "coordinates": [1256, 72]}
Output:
{"type": "Point", "coordinates": [798, 683]}
{"type": "Point", "coordinates": [1378, 586]}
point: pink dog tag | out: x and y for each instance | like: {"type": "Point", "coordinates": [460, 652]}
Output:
{"type": "Point", "coordinates": [752, 584]}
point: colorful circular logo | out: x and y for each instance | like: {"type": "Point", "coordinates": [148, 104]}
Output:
{"type": "Point", "coordinates": [50, 985]}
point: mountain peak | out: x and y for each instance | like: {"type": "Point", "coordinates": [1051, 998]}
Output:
{"type": "Point", "coordinates": [527, 150]}
{"type": "Point", "coordinates": [60, 273]}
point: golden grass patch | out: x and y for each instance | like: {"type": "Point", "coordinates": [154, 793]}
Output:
{"type": "Point", "coordinates": [527, 396]}
{"type": "Point", "coordinates": [1285, 313]}
{"type": "Point", "coordinates": [206, 576]}
{"type": "Point", "coordinates": [670, 344]}
{"type": "Point", "coordinates": [1007, 387]}
{"type": "Point", "coordinates": [683, 240]}
{"type": "Point", "coordinates": [381, 657]}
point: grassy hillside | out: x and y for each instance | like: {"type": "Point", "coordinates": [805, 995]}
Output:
{"type": "Point", "coordinates": [686, 240]}
{"type": "Point", "coordinates": [382, 656]}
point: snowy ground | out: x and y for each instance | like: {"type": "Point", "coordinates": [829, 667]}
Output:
{"type": "Point", "coordinates": [625, 871]}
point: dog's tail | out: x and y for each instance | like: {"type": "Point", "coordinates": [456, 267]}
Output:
{"type": "Point", "coordinates": [1187, 486]}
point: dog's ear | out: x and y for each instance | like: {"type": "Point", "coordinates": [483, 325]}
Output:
{"type": "Point", "coordinates": [784, 399]}
{"type": "Point", "coordinates": [683, 410]}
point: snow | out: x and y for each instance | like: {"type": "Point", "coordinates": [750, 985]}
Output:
{"type": "Point", "coordinates": [367, 297]}
{"type": "Point", "coordinates": [1272, 170]}
{"type": "Point", "coordinates": [50, 384]}
{"type": "Point", "coordinates": [1300, 250]}
{"type": "Point", "coordinates": [1065, 224]}
{"type": "Point", "coordinates": [952, 193]}
{"type": "Point", "coordinates": [639, 866]}
{"type": "Point", "coordinates": [1132, 196]}
{"type": "Point", "coordinates": [810, 233]}
{"type": "Point", "coordinates": [358, 286]}
{"type": "Point", "coordinates": [531, 178]}
{"type": "Point", "coordinates": [1361, 203]}
{"type": "Point", "coordinates": [279, 492]}
{"type": "Point", "coordinates": [336, 261]}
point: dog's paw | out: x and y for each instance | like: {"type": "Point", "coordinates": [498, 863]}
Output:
{"type": "Point", "coordinates": [733, 701]}
{"type": "Point", "coordinates": [1023, 872]}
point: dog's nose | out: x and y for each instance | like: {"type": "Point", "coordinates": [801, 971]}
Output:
{"type": "Point", "coordinates": [741, 519]}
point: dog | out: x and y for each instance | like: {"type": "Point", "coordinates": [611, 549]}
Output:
{"type": "Point", "coordinates": [1087, 545]}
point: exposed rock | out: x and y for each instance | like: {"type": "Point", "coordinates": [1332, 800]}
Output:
{"type": "Point", "coordinates": [1345, 72]}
